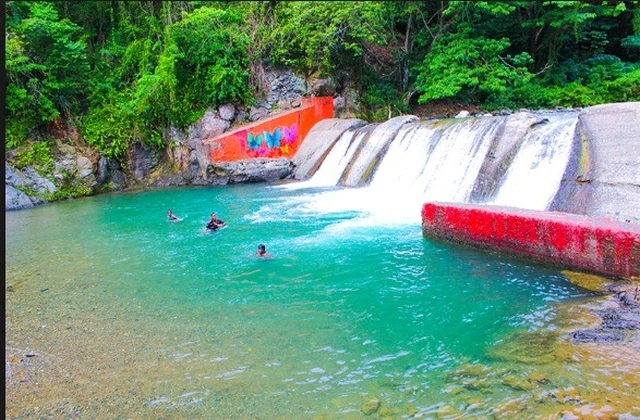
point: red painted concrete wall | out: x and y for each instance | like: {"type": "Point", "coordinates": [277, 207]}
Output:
{"type": "Point", "coordinates": [600, 245]}
{"type": "Point", "coordinates": [278, 136]}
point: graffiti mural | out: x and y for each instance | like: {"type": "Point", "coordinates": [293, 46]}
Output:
{"type": "Point", "coordinates": [270, 144]}
{"type": "Point", "coordinates": [274, 137]}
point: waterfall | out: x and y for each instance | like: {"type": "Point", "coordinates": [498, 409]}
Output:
{"type": "Point", "coordinates": [516, 160]}
{"type": "Point", "coordinates": [339, 157]}
{"type": "Point", "coordinates": [534, 175]}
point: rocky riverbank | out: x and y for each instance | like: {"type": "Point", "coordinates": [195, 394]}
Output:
{"type": "Point", "coordinates": [63, 165]}
{"type": "Point", "coordinates": [618, 314]}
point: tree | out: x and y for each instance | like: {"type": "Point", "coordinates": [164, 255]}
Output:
{"type": "Point", "coordinates": [472, 68]}
{"type": "Point", "coordinates": [46, 65]}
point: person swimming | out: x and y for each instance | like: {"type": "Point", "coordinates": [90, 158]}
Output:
{"type": "Point", "coordinates": [262, 251]}
{"type": "Point", "coordinates": [215, 223]}
{"type": "Point", "coordinates": [171, 216]}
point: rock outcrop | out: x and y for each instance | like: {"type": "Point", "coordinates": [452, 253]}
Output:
{"type": "Point", "coordinates": [80, 170]}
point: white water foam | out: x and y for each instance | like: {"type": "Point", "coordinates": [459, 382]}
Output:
{"type": "Point", "coordinates": [535, 174]}
{"type": "Point", "coordinates": [432, 162]}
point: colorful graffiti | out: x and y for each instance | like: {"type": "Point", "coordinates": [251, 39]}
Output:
{"type": "Point", "coordinates": [270, 144]}
{"type": "Point", "coordinates": [277, 136]}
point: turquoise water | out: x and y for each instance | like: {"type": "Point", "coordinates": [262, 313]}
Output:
{"type": "Point", "coordinates": [133, 316]}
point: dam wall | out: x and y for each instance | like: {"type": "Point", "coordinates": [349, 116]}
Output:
{"type": "Point", "coordinates": [278, 136]}
{"type": "Point", "coordinates": [599, 245]}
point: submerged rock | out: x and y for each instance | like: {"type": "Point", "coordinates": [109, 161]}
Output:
{"type": "Point", "coordinates": [371, 406]}
{"type": "Point", "coordinates": [590, 282]}
{"type": "Point", "coordinates": [519, 384]}
{"type": "Point", "coordinates": [527, 347]}
{"type": "Point", "coordinates": [597, 335]}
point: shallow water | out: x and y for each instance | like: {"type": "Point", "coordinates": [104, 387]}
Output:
{"type": "Point", "coordinates": [127, 315]}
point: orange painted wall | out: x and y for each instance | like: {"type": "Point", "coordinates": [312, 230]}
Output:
{"type": "Point", "coordinates": [278, 136]}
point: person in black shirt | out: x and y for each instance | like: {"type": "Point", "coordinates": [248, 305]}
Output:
{"type": "Point", "coordinates": [172, 216]}
{"type": "Point", "coordinates": [215, 223]}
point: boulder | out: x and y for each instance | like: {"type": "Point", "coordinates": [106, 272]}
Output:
{"type": "Point", "coordinates": [37, 182]}
{"type": "Point", "coordinates": [15, 199]}
{"type": "Point", "coordinates": [248, 170]}
{"type": "Point", "coordinates": [227, 112]}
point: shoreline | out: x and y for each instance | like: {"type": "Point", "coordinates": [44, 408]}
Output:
{"type": "Point", "coordinates": [618, 313]}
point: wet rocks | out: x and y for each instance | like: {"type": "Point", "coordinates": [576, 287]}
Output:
{"type": "Point", "coordinates": [519, 384]}
{"type": "Point", "coordinates": [370, 406]}
{"type": "Point", "coordinates": [597, 335]}
{"type": "Point", "coordinates": [527, 347]}
{"type": "Point", "coordinates": [620, 316]}
{"type": "Point", "coordinates": [249, 170]}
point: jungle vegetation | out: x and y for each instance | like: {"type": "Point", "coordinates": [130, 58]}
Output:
{"type": "Point", "coordinates": [124, 71]}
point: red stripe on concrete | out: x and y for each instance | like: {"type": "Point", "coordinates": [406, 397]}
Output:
{"type": "Point", "coordinates": [599, 245]}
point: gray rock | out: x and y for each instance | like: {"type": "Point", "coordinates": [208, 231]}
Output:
{"type": "Point", "coordinates": [85, 169]}
{"type": "Point", "coordinates": [241, 116]}
{"type": "Point", "coordinates": [213, 127]}
{"type": "Point", "coordinates": [38, 183]}
{"type": "Point", "coordinates": [13, 176]}
{"type": "Point", "coordinates": [323, 87]}
{"type": "Point", "coordinates": [248, 171]}
{"type": "Point", "coordinates": [284, 104]}
{"type": "Point", "coordinates": [283, 85]}
{"type": "Point", "coordinates": [143, 161]}
{"type": "Point", "coordinates": [175, 137]}
{"type": "Point", "coordinates": [597, 335]}
{"type": "Point", "coordinates": [102, 170]}
{"type": "Point", "coordinates": [15, 199]}
{"type": "Point", "coordinates": [116, 175]}
{"type": "Point", "coordinates": [621, 319]}
{"type": "Point", "coordinates": [257, 113]}
{"type": "Point", "coordinates": [64, 167]}
{"type": "Point", "coordinates": [227, 112]}
{"type": "Point", "coordinates": [463, 114]}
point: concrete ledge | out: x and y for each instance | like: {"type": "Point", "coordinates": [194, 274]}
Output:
{"type": "Point", "coordinates": [600, 245]}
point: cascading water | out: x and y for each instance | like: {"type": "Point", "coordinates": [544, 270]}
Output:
{"type": "Point", "coordinates": [337, 160]}
{"type": "Point", "coordinates": [535, 173]}
{"type": "Point", "coordinates": [517, 161]}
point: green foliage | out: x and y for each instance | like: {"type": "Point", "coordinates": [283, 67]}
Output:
{"type": "Point", "coordinates": [380, 101]}
{"type": "Point", "coordinates": [145, 84]}
{"type": "Point", "coordinates": [325, 37]}
{"type": "Point", "coordinates": [129, 70]}
{"type": "Point", "coordinates": [36, 154]}
{"type": "Point", "coordinates": [70, 187]}
{"type": "Point", "coordinates": [206, 59]}
{"type": "Point", "coordinates": [109, 129]}
{"type": "Point", "coordinates": [470, 68]}
{"type": "Point", "coordinates": [46, 67]}
{"type": "Point", "coordinates": [625, 88]}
